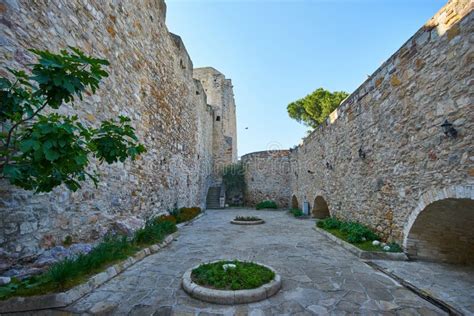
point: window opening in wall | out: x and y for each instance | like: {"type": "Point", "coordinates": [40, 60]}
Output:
{"type": "Point", "coordinates": [218, 118]}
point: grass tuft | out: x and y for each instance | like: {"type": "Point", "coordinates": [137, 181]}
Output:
{"type": "Point", "coordinates": [70, 272]}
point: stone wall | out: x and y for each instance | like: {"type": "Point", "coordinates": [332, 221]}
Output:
{"type": "Point", "coordinates": [220, 97]}
{"type": "Point", "coordinates": [384, 147]}
{"type": "Point", "coordinates": [267, 177]}
{"type": "Point", "coordinates": [151, 81]}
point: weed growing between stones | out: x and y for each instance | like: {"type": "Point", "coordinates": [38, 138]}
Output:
{"type": "Point", "coordinates": [266, 204]}
{"type": "Point", "coordinates": [67, 240]}
{"type": "Point", "coordinates": [70, 272]}
{"type": "Point", "coordinates": [355, 233]}
{"type": "Point", "coordinates": [245, 275]}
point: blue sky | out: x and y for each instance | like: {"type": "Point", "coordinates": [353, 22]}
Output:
{"type": "Point", "coordinates": [278, 51]}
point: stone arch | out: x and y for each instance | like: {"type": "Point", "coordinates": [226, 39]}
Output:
{"type": "Point", "coordinates": [320, 208]}
{"type": "Point", "coordinates": [440, 227]}
{"type": "Point", "coordinates": [294, 202]}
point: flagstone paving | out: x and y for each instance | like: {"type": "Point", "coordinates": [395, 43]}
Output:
{"type": "Point", "coordinates": [453, 284]}
{"type": "Point", "coordinates": [319, 277]}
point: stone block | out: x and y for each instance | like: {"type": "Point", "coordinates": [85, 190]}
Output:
{"type": "Point", "coordinates": [140, 255]}
{"type": "Point", "coordinates": [154, 248]}
{"type": "Point", "coordinates": [214, 296]}
{"type": "Point", "coordinates": [245, 296]}
{"type": "Point", "coordinates": [103, 308]}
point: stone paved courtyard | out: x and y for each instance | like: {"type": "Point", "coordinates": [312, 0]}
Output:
{"type": "Point", "coordinates": [319, 277]}
{"type": "Point", "coordinates": [453, 284]}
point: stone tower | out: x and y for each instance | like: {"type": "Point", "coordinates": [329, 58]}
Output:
{"type": "Point", "coordinates": [220, 97]}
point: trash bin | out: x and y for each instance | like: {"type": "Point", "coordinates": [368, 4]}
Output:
{"type": "Point", "coordinates": [306, 208]}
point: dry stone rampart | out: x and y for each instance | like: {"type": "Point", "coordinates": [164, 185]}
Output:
{"type": "Point", "coordinates": [384, 147]}
{"type": "Point", "coordinates": [220, 97]}
{"type": "Point", "coordinates": [382, 156]}
{"type": "Point", "coordinates": [267, 177]}
{"type": "Point", "coordinates": [151, 81]}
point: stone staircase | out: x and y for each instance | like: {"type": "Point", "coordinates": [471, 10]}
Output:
{"type": "Point", "coordinates": [213, 195]}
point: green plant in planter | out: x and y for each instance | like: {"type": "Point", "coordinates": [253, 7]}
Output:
{"type": "Point", "coordinates": [357, 232]}
{"type": "Point", "coordinates": [246, 275]}
{"type": "Point", "coordinates": [70, 272]}
{"type": "Point", "coordinates": [247, 218]}
{"type": "Point", "coordinates": [266, 204]}
{"type": "Point", "coordinates": [354, 233]}
{"type": "Point", "coordinates": [329, 223]}
{"type": "Point", "coordinates": [41, 149]}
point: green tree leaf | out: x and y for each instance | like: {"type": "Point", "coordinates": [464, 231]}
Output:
{"type": "Point", "coordinates": [42, 151]}
{"type": "Point", "coordinates": [313, 109]}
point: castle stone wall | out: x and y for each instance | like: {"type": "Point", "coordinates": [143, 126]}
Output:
{"type": "Point", "coordinates": [220, 97]}
{"type": "Point", "coordinates": [394, 119]}
{"type": "Point", "coordinates": [267, 175]}
{"type": "Point", "coordinates": [151, 81]}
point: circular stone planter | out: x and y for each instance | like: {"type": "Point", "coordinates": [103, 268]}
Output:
{"type": "Point", "coordinates": [229, 297]}
{"type": "Point", "coordinates": [236, 222]}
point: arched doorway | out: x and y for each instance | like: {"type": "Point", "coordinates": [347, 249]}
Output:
{"type": "Point", "coordinates": [320, 208]}
{"type": "Point", "coordinates": [442, 231]}
{"type": "Point", "coordinates": [294, 202]}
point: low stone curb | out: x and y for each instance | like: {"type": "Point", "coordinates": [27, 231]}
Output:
{"type": "Point", "coordinates": [451, 310]}
{"type": "Point", "coordinates": [230, 297]}
{"type": "Point", "coordinates": [190, 221]}
{"type": "Point", "coordinates": [56, 300]}
{"type": "Point", "coordinates": [398, 256]}
{"type": "Point", "coordinates": [259, 222]}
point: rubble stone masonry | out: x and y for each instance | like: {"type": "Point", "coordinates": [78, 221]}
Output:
{"type": "Point", "coordinates": [394, 120]}
{"type": "Point", "coordinates": [267, 177]}
{"type": "Point", "coordinates": [382, 158]}
{"type": "Point", "coordinates": [151, 81]}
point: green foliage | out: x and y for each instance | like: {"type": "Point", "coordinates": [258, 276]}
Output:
{"type": "Point", "coordinates": [394, 247]}
{"type": "Point", "coordinates": [153, 232]}
{"type": "Point", "coordinates": [313, 109]}
{"type": "Point", "coordinates": [111, 249]}
{"type": "Point", "coordinates": [357, 232]}
{"type": "Point", "coordinates": [247, 218]}
{"type": "Point", "coordinates": [67, 273]}
{"type": "Point", "coordinates": [329, 223]}
{"type": "Point", "coordinates": [40, 151]}
{"type": "Point", "coordinates": [296, 212]}
{"type": "Point", "coordinates": [234, 178]}
{"type": "Point", "coordinates": [67, 240]}
{"type": "Point", "coordinates": [354, 233]}
{"type": "Point", "coordinates": [266, 204]}
{"type": "Point", "coordinates": [246, 275]}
